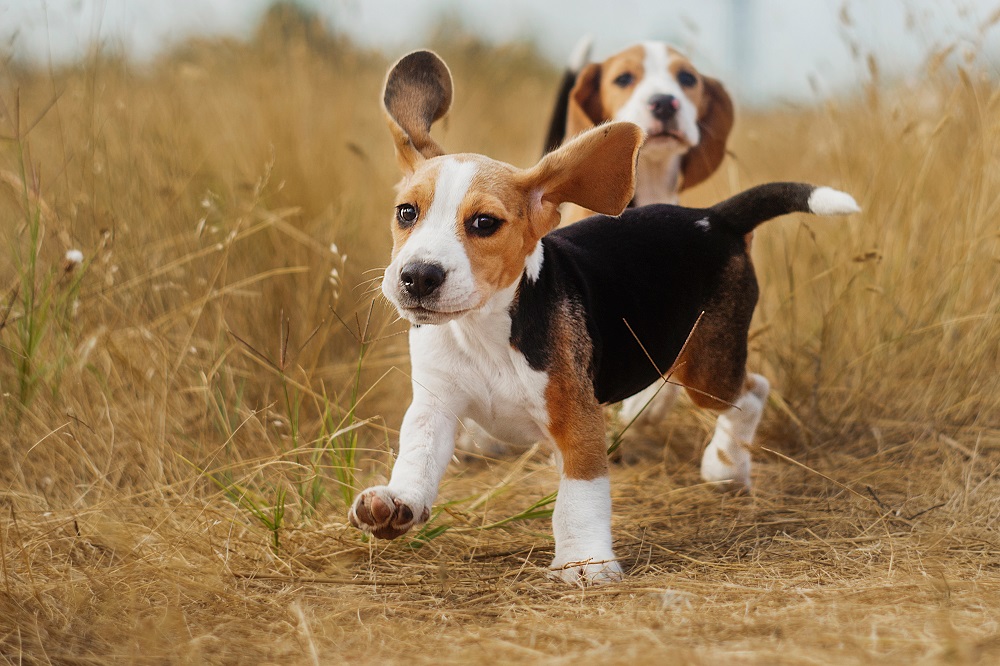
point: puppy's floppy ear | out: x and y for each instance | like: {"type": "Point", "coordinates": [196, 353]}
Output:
{"type": "Point", "coordinates": [595, 170]}
{"type": "Point", "coordinates": [585, 108]}
{"type": "Point", "coordinates": [417, 92]}
{"type": "Point", "coordinates": [715, 120]}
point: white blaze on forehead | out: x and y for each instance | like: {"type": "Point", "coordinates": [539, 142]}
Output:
{"type": "Point", "coordinates": [452, 185]}
{"type": "Point", "coordinates": [436, 236]}
{"type": "Point", "coordinates": [656, 60]}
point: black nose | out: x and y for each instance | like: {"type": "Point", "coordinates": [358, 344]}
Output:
{"type": "Point", "coordinates": [421, 279]}
{"type": "Point", "coordinates": [663, 107]}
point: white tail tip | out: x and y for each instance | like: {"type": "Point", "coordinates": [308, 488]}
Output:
{"type": "Point", "coordinates": [581, 54]}
{"type": "Point", "coordinates": [828, 201]}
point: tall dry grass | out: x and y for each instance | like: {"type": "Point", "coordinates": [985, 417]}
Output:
{"type": "Point", "coordinates": [185, 413]}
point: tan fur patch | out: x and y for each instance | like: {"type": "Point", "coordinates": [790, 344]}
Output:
{"type": "Point", "coordinates": [696, 94]}
{"type": "Point", "coordinates": [713, 365]}
{"type": "Point", "coordinates": [576, 420]}
{"type": "Point", "coordinates": [416, 190]}
{"type": "Point", "coordinates": [498, 260]}
{"type": "Point", "coordinates": [715, 122]}
{"type": "Point", "coordinates": [630, 61]}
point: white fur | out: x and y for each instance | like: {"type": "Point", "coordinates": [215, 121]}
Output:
{"type": "Point", "coordinates": [727, 458]}
{"type": "Point", "coordinates": [657, 175]}
{"type": "Point", "coordinates": [533, 264]}
{"type": "Point", "coordinates": [436, 239]}
{"type": "Point", "coordinates": [828, 201]}
{"type": "Point", "coordinates": [581, 524]}
{"type": "Point", "coordinates": [464, 367]}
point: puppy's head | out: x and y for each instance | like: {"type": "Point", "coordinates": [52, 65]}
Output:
{"type": "Point", "coordinates": [681, 111]}
{"type": "Point", "coordinates": [465, 225]}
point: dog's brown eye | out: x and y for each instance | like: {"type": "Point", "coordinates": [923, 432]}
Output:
{"type": "Point", "coordinates": [406, 214]}
{"type": "Point", "coordinates": [624, 80]}
{"type": "Point", "coordinates": [687, 79]}
{"type": "Point", "coordinates": [483, 225]}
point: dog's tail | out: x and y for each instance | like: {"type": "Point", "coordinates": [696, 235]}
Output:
{"type": "Point", "coordinates": [557, 126]}
{"type": "Point", "coordinates": [742, 213]}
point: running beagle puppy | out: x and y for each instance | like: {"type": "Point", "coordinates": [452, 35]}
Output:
{"type": "Point", "coordinates": [685, 116]}
{"type": "Point", "coordinates": [528, 332]}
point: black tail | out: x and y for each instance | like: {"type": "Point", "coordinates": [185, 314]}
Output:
{"type": "Point", "coordinates": [557, 125]}
{"type": "Point", "coordinates": [743, 212]}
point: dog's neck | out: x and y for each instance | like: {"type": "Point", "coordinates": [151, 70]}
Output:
{"type": "Point", "coordinates": [487, 328]}
{"type": "Point", "coordinates": [657, 178]}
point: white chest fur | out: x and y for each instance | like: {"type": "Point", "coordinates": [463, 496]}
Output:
{"type": "Point", "coordinates": [471, 367]}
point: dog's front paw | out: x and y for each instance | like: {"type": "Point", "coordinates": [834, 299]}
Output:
{"type": "Point", "coordinates": [587, 572]}
{"type": "Point", "coordinates": [381, 512]}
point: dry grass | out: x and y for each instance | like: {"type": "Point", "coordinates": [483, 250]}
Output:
{"type": "Point", "coordinates": [205, 192]}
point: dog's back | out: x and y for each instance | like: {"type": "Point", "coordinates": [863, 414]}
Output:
{"type": "Point", "coordinates": [641, 282]}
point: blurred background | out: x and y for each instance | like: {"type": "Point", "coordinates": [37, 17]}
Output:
{"type": "Point", "coordinates": [768, 51]}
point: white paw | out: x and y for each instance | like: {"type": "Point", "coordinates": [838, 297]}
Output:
{"type": "Point", "coordinates": [718, 466]}
{"type": "Point", "coordinates": [385, 514]}
{"type": "Point", "coordinates": [587, 572]}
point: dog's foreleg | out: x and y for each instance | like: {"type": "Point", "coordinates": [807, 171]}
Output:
{"type": "Point", "coordinates": [426, 444]}
{"type": "Point", "coordinates": [581, 521]}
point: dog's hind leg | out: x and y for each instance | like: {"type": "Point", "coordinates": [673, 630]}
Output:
{"type": "Point", "coordinates": [727, 458]}
{"type": "Point", "coordinates": [713, 370]}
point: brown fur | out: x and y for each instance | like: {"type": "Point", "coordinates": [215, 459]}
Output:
{"type": "Point", "coordinates": [418, 92]}
{"type": "Point", "coordinates": [418, 192]}
{"type": "Point", "coordinates": [576, 420]}
{"type": "Point", "coordinates": [715, 121]}
{"type": "Point", "coordinates": [712, 367]}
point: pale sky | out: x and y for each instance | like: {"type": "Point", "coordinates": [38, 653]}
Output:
{"type": "Point", "coordinates": [765, 50]}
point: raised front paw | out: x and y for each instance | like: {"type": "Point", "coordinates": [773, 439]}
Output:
{"type": "Point", "coordinates": [591, 571]}
{"type": "Point", "coordinates": [381, 512]}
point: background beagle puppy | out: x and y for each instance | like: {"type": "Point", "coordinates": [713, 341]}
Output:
{"type": "Point", "coordinates": [528, 332]}
{"type": "Point", "coordinates": [685, 116]}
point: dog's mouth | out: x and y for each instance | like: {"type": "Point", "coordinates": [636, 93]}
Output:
{"type": "Point", "coordinates": [418, 314]}
{"type": "Point", "coordinates": [667, 136]}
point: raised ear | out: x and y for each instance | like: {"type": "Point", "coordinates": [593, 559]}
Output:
{"type": "Point", "coordinates": [714, 124]}
{"type": "Point", "coordinates": [585, 109]}
{"type": "Point", "coordinates": [595, 170]}
{"type": "Point", "coordinates": [417, 93]}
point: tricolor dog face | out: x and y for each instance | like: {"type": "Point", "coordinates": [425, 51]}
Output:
{"type": "Point", "coordinates": [466, 225]}
{"type": "Point", "coordinates": [685, 115]}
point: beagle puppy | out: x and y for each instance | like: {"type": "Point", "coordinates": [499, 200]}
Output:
{"type": "Point", "coordinates": [685, 116]}
{"type": "Point", "coordinates": [528, 332]}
